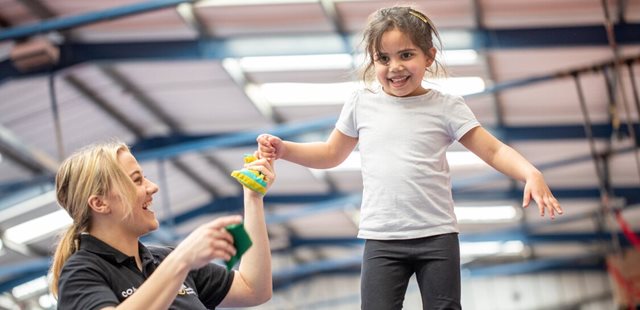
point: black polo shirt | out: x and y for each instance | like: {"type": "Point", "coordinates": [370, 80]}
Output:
{"type": "Point", "coordinates": [98, 276]}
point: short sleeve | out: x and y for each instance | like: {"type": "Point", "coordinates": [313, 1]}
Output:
{"type": "Point", "coordinates": [213, 282]}
{"type": "Point", "coordinates": [83, 286]}
{"type": "Point", "coordinates": [460, 119]}
{"type": "Point", "coordinates": [346, 123]}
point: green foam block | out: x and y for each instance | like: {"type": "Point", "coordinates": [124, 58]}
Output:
{"type": "Point", "coordinates": [241, 241]}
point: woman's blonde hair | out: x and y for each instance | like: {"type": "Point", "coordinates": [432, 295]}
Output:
{"type": "Point", "coordinates": [417, 26]}
{"type": "Point", "coordinates": [92, 170]}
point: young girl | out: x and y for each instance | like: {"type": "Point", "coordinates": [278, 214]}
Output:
{"type": "Point", "coordinates": [403, 131]}
{"type": "Point", "coordinates": [101, 264]}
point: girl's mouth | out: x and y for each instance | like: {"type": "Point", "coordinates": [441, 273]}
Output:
{"type": "Point", "coordinates": [397, 81]}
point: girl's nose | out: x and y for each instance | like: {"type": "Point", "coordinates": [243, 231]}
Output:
{"type": "Point", "coordinates": [396, 65]}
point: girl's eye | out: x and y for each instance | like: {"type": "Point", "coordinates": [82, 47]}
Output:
{"type": "Point", "coordinates": [383, 59]}
{"type": "Point", "coordinates": [138, 180]}
{"type": "Point", "coordinates": [406, 55]}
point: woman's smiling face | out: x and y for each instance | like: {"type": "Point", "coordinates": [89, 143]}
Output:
{"type": "Point", "coordinates": [140, 219]}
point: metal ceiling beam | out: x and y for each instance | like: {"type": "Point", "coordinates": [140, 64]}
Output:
{"type": "Point", "coordinates": [577, 262]}
{"type": "Point", "coordinates": [232, 140]}
{"type": "Point", "coordinates": [149, 105]}
{"type": "Point", "coordinates": [583, 35]}
{"type": "Point", "coordinates": [187, 12]}
{"type": "Point", "coordinates": [42, 11]}
{"type": "Point", "coordinates": [292, 130]}
{"type": "Point", "coordinates": [69, 22]}
{"type": "Point", "coordinates": [520, 235]}
{"type": "Point", "coordinates": [16, 274]}
{"type": "Point", "coordinates": [174, 145]}
{"type": "Point", "coordinates": [13, 149]}
{"type": "Point", "coordinates": [335, 201]}
{"type": "Point", "coordinates": [285, 278]}
{"type": "Point", "coordinates": [328, 43]}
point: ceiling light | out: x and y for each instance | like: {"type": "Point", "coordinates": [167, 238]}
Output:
{"type": "Point", "coordinates": [302, 94]}
{"type": "Point", "coordinates": [296, 63]}
{"type": "Point", "coordinates": [47, 301]}
{"type": "Point", "coordinates": [39, 227]}
{"type": "Point", "coordinates": [205, 3]}
{"type": "Point", "coordinates": [490, 248]}
{"type": "Point", "coordinates": [458, 57]}
{"type": "Point", "coordinates": [483, 214]}
{"type": "Point", "coordinates": [27, 289]}
{"type": "Point", "coordinates": [335, 61]}
{"type": "Point", "coordinates": [28, 205]}
{"type": "Point", "coordinates": [460, 86]}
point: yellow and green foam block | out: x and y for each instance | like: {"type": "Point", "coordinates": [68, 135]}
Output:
{"type": "Point", "coordinates": [252, 179]}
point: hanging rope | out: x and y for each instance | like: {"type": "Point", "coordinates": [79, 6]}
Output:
{"type": "Point", "coordinates": [618, 87]}
{"type": "Point", "coordinates": [56, 116]}
{"type": "Point", "coordinates": [634, 86]}
{"type": "Point", "coordinates": [598, 160]}
{"type": "Point", "coordinates": [620, 92]}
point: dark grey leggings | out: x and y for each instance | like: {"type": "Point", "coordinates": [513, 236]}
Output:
{"type": "Point", "coordinates": [387, 266]}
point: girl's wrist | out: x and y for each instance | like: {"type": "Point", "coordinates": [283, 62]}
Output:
{"type": "Point", "coordinates": [534, 174]}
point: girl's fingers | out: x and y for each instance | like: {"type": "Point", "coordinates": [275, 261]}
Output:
{"type": "Point", "coordinates": [540, 204]}
{"type": "Point", "coordinates": [558, 208]}
{"type": "Point", "coordinates": [526, 199]}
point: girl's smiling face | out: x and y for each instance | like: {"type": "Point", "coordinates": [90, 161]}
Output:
{"type": "Point", "coordinates": [400, 65]}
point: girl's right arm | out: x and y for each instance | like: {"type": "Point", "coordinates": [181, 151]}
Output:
{"type": "Point", "coordinates": [318, 155]}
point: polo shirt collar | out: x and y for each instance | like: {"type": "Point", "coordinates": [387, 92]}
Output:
{"type": "Point", "coordinates": [94, 245]}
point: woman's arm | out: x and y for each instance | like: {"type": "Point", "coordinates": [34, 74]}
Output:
{"type": "Point", "coordinates": [207, 242]}
{"type": "Point", "coordinates": [506, 160]}
{"type": "Point", "coordinates": [252, 283]}
{"type": "Point", "coordinates": [319, 155]}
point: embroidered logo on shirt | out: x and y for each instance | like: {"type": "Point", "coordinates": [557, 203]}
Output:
{"type": "Point", "coordinates": [128, 292]}
{"type": "Point", "coordinates": [185, 290]}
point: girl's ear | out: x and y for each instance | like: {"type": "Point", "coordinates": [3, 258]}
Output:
{"type": "Point", "coordinates": [431, 56]}
{"type": "Point", "coordinates": [98, 205]}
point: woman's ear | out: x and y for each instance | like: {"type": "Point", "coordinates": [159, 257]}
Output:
{"type": "Point", "coordinates": [98, 205]}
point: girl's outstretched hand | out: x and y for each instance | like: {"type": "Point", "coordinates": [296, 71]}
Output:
{"type": "Point", "coordinates": [270, 147]}
{"type": "Point", "coordinates": [537, 189]}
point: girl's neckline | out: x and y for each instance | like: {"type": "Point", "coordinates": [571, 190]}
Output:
{"type": "Point", "coordinates": [430, 92]}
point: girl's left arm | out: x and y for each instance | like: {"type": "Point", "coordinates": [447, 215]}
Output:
{"type": "Point", "coordinates": [509, 162]}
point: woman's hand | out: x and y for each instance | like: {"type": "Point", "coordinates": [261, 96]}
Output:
{"type": "Point", "coordinates": [209, 241]}
{"type": "Point", "coordinates": [265, 166]}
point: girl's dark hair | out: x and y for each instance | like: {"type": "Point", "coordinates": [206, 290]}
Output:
{"type": "Point", "coordinates": [417, 26]}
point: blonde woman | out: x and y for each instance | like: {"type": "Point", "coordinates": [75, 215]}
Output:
{"type": "Point", "coordinates": [101, 264]}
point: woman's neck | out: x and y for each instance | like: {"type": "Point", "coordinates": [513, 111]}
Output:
{"type": "Point", "coordinates": [118, 239]}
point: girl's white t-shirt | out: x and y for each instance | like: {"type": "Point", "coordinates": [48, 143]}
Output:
{"type": "Point", "coordinates": [403, 143]}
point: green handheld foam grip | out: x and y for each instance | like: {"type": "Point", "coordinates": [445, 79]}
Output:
{"type": "Point", "coordinates": [241, 241]}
